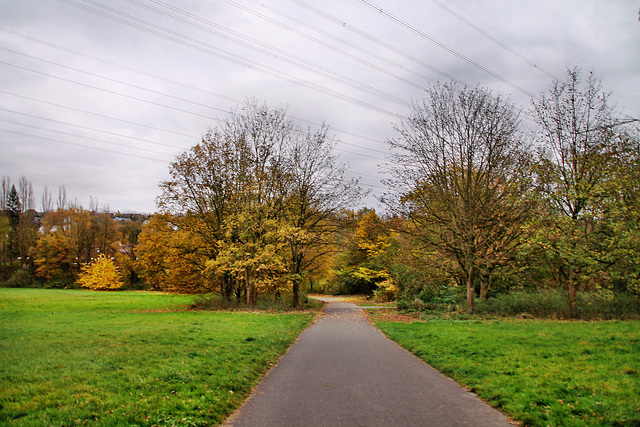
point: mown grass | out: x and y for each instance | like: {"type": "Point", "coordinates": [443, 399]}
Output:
{"type": "Point", "coordinates": [540, 373]}
{"type": "Point", "coordinates": [130, 358]}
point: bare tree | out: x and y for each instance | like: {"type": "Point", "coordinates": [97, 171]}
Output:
{"type": "Point", "coordinates": [25, 190]}
{"type": "Point", "coordinates": [319, 189]}
{"type": "Point", "coordinates": [458, 174]}
{"type": "Point", "coordinates": [4, 192]}
{"type": "Point", "coordinates": [47, 201]}
{"type": "Point", "coordinates": [62, 198]}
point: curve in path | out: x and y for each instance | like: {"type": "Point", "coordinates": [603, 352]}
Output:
{"type": "Point", "coordinates": [344, 372]}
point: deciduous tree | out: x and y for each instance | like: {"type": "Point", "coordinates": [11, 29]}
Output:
{"type": "Point", "coordinates": [459, 173]}
{"type": "Point", "coordinates": [258, 168]}
{"type": "Point", "coordinates": [579, 133]}
{"type": "Point", "coordinates": [100, 274]}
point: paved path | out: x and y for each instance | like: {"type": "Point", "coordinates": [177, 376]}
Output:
{"type": "Point", "coordinates": [344, 372]}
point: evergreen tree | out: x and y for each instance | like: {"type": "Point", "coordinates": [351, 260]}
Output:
{"type": "Point", "coordinates": [14, 207]}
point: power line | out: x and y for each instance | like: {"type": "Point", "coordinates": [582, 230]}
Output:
{"type": "Point", "coordinates": [376, 40]}
{"type": "Point", "coordinates": [103, 78]}
{"type": "Point", "coordinates": [327, 45]}
{"type": "Point", "coordinates": [106, 90]}
{"type": "Point", "coordinates": [86, 128]}
{"type": "Point", "coordinates": [492, 38]}
{"type": "Point", "coordinates": [106, 150]}
{"type": "Point", "coordinates": [443, 46]}
{"type": "Point", "coordinates": [97, 115]}
{"type": "Point", "coordinates": [275, 52]}
{"type": "Point", "coordinates": [140, 124]}
{"type": "Point", "coordinates": [177, 83]}
{"type": "Point", "coordinates": [225, 55]}
{"type": "Point", "coordinates": [506, 36]}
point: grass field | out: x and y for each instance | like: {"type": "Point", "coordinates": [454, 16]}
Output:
{"type": "Point", "coordinates": [538, 372]}
{"type": "Point", "coordinates": [130, 358]}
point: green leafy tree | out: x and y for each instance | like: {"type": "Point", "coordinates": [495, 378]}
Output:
{"type": "Point", "coordinates": [580, 177]}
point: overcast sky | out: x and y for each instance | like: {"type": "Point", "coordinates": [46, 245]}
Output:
{"type": "Point", "coordinates": [101, 95]}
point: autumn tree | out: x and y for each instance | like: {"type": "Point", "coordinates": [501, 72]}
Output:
{"type": "Point", "coordinates": [319, 191]}
{"type": "Point", "coordinates": [100, 274]}
{"type": "Point", "coordinates": [71, 238]}
{"type": "Point", "coordinates": [459, 173]}
{"type": "Point", "coordinates": [170, 257]}
{"type": "Point", "coordinates": [362, 266]}
{"type": "Point", "coordinates": [256, 168]}
{"type": "Point", "coordinates": [580, 177]}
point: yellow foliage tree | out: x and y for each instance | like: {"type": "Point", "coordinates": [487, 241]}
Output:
{"type": "Point", "coordinates": [100, 274]}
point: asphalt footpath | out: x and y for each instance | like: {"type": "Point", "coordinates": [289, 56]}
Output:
{"type": "Point", "coordinates": [342, 371]}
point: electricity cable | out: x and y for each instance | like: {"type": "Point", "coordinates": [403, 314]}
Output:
{"type": "Point", "coordinates": [443, 46]}
{"type": "Point", "coordinates": [272, 51]}
{"type": "Point", "coordinates": [228, 56]}
{"type": "Point", "coordinates": [177, 83]}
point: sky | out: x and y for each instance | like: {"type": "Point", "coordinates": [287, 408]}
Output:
{"type": "Point", "coordinates": [99, 96]}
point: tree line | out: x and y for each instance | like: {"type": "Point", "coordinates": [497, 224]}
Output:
{"type": "Point", "coordinates": [51, 246]}
{"type": "Point", "coordinates": [480, 205]}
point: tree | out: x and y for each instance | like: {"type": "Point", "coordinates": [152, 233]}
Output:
{"type": "Point", "coordinates": [5, 253]}
{"type": "Point", "coordinates": [362, 266]}
{"type": "Point", "coordinates": [253, 252]}
{"type": "Point", "coordinates": [5, 189]}
{"type": "Point", "coordinates": [459, 173]}
{"type": "Point", "coordinates": [14, 207]}
{"type": "Point", "coordinates": [578, 130]}
{"type": "Point", "coordinates": [100, 274]}
{"type": "Point", "coordinates": [319, 191]}
{"type": "Point", "coordinates": [47, 201]}
{"type": "Point", "coordinates": [26, 194]}
{"type": "Point", "coordinates": [171, 258]}
{"type": "Point", "coordinates": [62, 198]}
{"type": "Point", "coordinates": [71, 238]}
{"type": "Point", "coordinates": [257, 168]}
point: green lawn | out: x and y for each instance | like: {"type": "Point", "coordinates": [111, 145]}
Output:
{"type": "Point", "coordinates": [538, 372]}
{"type": "Point", "coordinates": [130, 358]}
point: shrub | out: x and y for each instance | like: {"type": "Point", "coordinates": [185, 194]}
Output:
{"type": "Point", "coordinates": [445, 297]}
{"type": "Point", "coordinates": [20, 279]}
{"type": "Point", "coordinates": [100, 274]}
{"type": "Point", "coordinates": [554, 304]}
{"type": "Point", "coordinates": [386, 292]}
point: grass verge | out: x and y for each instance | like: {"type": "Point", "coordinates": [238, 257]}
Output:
{"type": "Point", "coordinates": [130, 358]}
{"type": "Point", "coordinates": [540, 373]}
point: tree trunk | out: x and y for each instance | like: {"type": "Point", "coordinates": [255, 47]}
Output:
{"type": "Point", "coordinates": [251, 292]}
{"type": "Point", "coordinates": [484, 287]}
{"type": "Point", "coordinates": [295, 303]}
{"type": "Point", "coordinates": [573, 305]}
{"type": "Point", "coordinates": [297, 278]}
{"type": "Point", "coordinates": [471, 293]}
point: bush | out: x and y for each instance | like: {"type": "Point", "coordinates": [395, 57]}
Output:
{"type": "Point", "coordinates": [19, 279]}
{"type": "Point", "coordinates": [435, 298]}
{"type": "Point", "coordinates": [554, 304]}
{"type": "Point", "coordinates": [216, 302]}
